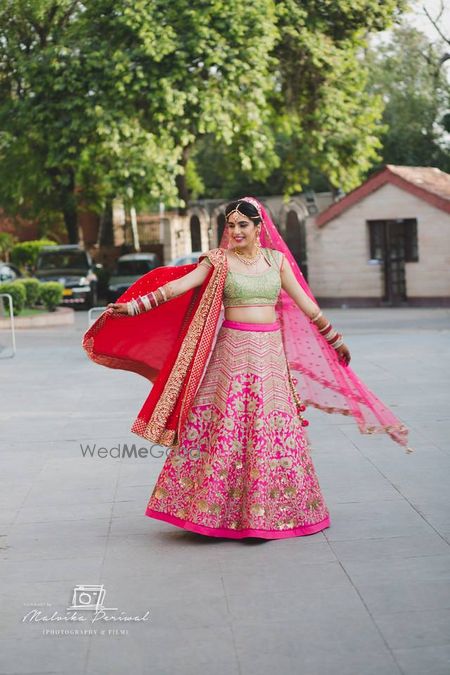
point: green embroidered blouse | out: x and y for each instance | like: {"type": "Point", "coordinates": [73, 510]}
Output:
{"type": "Point", "coordinates": [249, 290]}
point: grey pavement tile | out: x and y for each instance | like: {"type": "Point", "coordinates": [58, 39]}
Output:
{"type": "Point", "coordinates": [7, 517]}
{"type": "Point", "coordinates": [343, 490]}
{"type": "Point", "coordinates": [145, 474]}
{"type": "Point", "coordinates": [182, 582]}
{"type": "Point", "coordinates": [185, 610]}
{"type": "Point", "coordinates": [404, 595]}
{"type": "Point", "coordinates": [37, 496]}
{"type": "Point", "coordinates": [433, 660]}
{"type": "Point", "coordinates": [435, 510]}
{"type": "Point", "coordinates": [265, 553]}
{"type": "Point", "coordinates": [95, 479]}
{"type": "Point", "coordinates": [54, 544]}
{"type": "Point", "coordinates": [64, 512]}
{"type": "Point", "coordinates": [415, 568]}
{"type": "Point", "coordinates": [308, 648]}
{"type": "Point", "coordinates": [15, 430]}
{"type": "Point", "coordinates": [150, 650]}
{"type": "Point", "coordinates": [286, 576]}
{"type": "Point", "coordinates": [390, 547]}
{"type": "Point", "coordinates": [155, 561]}
{"type": "Point", "coordinates": [129, 507]}
{"type": "Point", "coordinates": [406, 630]}
{"type": "Point", "coordinates": [375, 519]}
{"type": "Point", "coordinates": [136, 523]}
{"type": "Point", "coordinates": [302, 603]}
{"type": "Point", "coordinates": [58, 569]}
{"type": "Point", "coordinates": [18, 472]}
{"type": "Point", "coordinates": [135, 491]}
{"type": "Point", "coordinates": [292, 605]}
{"type": "Point", "coordinates": [44, 654]}
{"type": "Point", "coordinates": [72, 528]}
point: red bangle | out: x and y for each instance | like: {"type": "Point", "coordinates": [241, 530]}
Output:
{"type": "Point", "coordinates": [335, 339]}
{"type": "Point", "coordinates": [328, 330]}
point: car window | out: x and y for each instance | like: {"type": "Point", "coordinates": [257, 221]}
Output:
{"type": "Point", "coordinates": [134, 267]}
{"type": "Point", "coordinates": [59, 260]}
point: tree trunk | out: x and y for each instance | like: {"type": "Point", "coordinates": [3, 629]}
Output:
{"type": "Point", "coordinates": [64, 185]}
{"type": "Point", "coordinates": [71, 221]}
{"type": "Point", "coordinates": [180, 181]}
{"type": "Point", "coordinates": [106, 234]}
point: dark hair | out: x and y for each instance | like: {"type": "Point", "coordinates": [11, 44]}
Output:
{"type": "Point", "coordinates": [246, 208]}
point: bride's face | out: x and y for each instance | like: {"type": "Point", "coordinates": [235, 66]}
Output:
{"type": "Point", "coordinates": [242, 230]}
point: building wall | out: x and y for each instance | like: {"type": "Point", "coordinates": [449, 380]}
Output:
{"type": "Point", "coordinates": [339, 251]}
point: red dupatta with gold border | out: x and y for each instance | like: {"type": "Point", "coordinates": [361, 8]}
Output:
{"type": "Point", "coordinates": [169, 345]}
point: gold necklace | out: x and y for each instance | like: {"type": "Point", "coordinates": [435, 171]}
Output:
{"type": "Point", "coordinates": [248, 261]}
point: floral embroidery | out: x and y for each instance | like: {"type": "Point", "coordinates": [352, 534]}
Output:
{"type": "Point", "coordinates": [243, 460]}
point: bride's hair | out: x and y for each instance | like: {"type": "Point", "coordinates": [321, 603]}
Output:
{"type": "Point", "coordinates": [244, 207]}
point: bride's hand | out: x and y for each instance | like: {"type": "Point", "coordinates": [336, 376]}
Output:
{"type": "Point", "coordinates": [344, 354]}
{"type": "Point", "coordinates": [118, 308]}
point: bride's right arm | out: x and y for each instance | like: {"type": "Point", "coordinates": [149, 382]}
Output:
{"type": "Point", "coordinates": [188, 281]}
{"type": "Point", "coordinates": [171, 289]}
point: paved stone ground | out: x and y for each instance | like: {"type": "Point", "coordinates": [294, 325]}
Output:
{"type": "Point", "coordinates": [369, 596]}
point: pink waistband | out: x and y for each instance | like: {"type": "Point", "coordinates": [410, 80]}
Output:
{"type": "Point", "coordinates": [241, 325]}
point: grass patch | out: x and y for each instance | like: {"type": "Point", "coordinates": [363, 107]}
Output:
{"type": "Point", "coordinates": [33, 311]}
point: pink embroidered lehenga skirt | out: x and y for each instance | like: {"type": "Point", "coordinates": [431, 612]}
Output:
{"type": "Point", "coordinates": [242, 468]}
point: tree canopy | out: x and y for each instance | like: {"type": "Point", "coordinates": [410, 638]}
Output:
{"type": "Point", "coordinates": [153, 100]}
{"type": "Point", "coordinates": [406, 72]}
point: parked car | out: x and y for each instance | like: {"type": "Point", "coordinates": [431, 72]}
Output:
{"type": "Point", "coordinates": [187, 259]}
{"type": "Point", "coordinates": [129, 268]}
{"type": "Point", "coordinates": [73, 267]}
{"type": "Point", "coordinates": [9, 272]}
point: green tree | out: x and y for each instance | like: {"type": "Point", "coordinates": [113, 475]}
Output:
{"type": "Point", "coordinates": [406, 73]}
{"type": "Point", "coordinates": [118, 98]}
{"type": "Point", "coordinates": [69, 134]}
{"type": "Point", "coordinates": [326, 123]}
{"type": "Point", "coordinates": [208, 73]}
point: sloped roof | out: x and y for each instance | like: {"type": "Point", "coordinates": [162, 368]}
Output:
{"type": "Point", "coordinates": [426, 182]}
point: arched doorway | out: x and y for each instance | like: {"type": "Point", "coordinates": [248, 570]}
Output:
{"type": "Point", "coordinates": [196, 234]}
{"type": "Point", "coordinates": [220, 226]}
{"type": "Point", "coordinates": [296, 240]}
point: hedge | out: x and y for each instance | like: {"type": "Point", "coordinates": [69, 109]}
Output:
{"type": "Point", "coordinates": [32, 289]}
{"type": "Point", "coordinates": [19, 295]}
{"type": "Point", "coordinates": [25, 253]}
{"type": "Point", "coordinates": [51, 294]}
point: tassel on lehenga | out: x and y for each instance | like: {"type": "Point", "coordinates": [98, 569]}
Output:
{"type": "Point", "coordinates": [243, 467]}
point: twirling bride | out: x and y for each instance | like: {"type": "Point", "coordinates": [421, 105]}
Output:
{"type": "Point", "coordinates": [236, 347]}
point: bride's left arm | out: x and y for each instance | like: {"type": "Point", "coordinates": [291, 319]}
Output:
{"type": "Point", "coordinates": [293, 288]}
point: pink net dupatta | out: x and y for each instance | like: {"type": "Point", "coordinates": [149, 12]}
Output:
{"type": "Point", "coordinates": [319, 378]}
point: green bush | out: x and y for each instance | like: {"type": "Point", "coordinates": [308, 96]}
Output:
{"type": "Point", "coordinates": [19, 295]}
{"type": "Point", "coordinates": [25, 253]}
{"type": "Point", "coordinates": [32, 289]}
{"type": "Point", "coordinates": [51, 294]}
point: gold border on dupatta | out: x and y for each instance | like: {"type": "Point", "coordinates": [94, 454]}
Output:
{"type": "Point", "coordinates": [155, 428]}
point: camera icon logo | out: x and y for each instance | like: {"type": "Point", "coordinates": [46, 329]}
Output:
{"type": "Point", "coordinates": [89, 597]}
